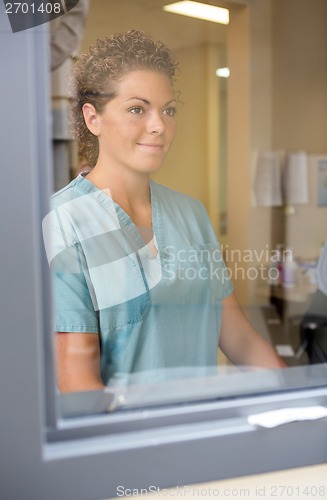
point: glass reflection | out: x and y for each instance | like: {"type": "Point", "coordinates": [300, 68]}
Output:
{"type": "Point", "coordinates": [138, 273]}
{"type": "Point", "coordinates": [141, 264]}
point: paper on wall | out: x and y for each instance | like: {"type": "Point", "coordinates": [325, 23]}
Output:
{"type": "Point", "coordinates": [267, 182]}
{"type": "Point", "coordinates": [295, 179]}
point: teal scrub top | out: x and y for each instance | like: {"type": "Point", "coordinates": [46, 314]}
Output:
{"type": "Point", "coordinates": [152, 312]}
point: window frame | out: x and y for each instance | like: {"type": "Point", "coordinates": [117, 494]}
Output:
{"type": "Point", "coordinates": [46, 456]}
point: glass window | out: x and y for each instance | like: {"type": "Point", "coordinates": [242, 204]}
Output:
{"type": "Point", "coordinates": [139, 302]}
{"type": "Point", "coordinates": [87, 457]}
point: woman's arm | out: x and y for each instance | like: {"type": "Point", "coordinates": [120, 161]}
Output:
{"type": "Point", "coordinates": [78, 362]}
{"type": "Point", "coordinates": [241, 343]}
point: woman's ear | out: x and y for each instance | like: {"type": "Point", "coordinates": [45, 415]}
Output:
{"type": "Point", "coordinates": [91, 118]}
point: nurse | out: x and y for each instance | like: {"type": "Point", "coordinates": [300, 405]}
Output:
{"type": "Point", "coordinates": [140, 284]}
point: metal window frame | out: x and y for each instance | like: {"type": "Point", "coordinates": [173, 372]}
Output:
{"type": "Point", "coordinates": [45, 456]}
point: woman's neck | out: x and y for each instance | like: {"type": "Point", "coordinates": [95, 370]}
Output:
{"type": "Point", "coordinates": [131, 190]}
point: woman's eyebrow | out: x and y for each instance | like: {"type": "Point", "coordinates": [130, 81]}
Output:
{"type": "Point", "coordinates": [171, 101]}
{"type": "Point", "coordinates": [145, 101]}
{"type": "Point", "coordinates": [138, 99]}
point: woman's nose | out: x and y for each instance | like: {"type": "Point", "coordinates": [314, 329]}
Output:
{"type": "Point", "coordinates": [156, 124]}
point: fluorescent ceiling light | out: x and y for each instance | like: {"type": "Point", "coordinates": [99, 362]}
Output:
{"type": "Point", "coordinates": [223, 72]}
{"type": "Point", "coordinates": [200, 11]}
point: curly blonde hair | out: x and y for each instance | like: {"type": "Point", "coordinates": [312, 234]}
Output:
{"type": "Point", "coordinates": [97, 71]}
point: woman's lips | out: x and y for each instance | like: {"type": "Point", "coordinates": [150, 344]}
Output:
{"type": "Point", "coordinates": [151, 147]}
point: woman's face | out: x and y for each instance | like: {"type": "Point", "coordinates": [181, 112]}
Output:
{"type": "Point", "coordinates": [137, 127]}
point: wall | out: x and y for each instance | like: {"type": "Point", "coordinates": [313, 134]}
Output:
{"type": "Point", "coordinates": [261, 218]}
{"type": "Point", "coordinates": [300, 105]}
{"type": "Point", "coordinates": [286, 74]}
{"type": "Point", "coordinates": [238, 144]}
{"type": "Point", "coordinates": [300, 75]}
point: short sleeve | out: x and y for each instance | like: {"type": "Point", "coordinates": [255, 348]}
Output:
{"type": "Point", "coordinates": [73, 307]}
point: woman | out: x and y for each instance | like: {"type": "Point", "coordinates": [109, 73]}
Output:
{"type": "Point", "coordinates": [140, 284]}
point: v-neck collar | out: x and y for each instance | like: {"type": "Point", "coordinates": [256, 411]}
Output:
{"type": "Point", "coordinates": [124, 219]}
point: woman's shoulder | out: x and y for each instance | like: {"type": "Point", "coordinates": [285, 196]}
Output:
{"type": "Point", "coordinates": [185, 213]}
{"type": "Point", "coordinates": [173, 198]}
{"type": "Point", "coordinates": [68, 193]}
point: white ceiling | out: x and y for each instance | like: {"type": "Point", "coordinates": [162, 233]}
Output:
{"type": "Point", "coordinates": [109, 16]}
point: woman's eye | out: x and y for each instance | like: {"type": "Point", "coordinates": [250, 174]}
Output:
{"type": "Point", "coordinates": [170, 111]}
{"type": "Point", "coordinates": [136, 110]}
